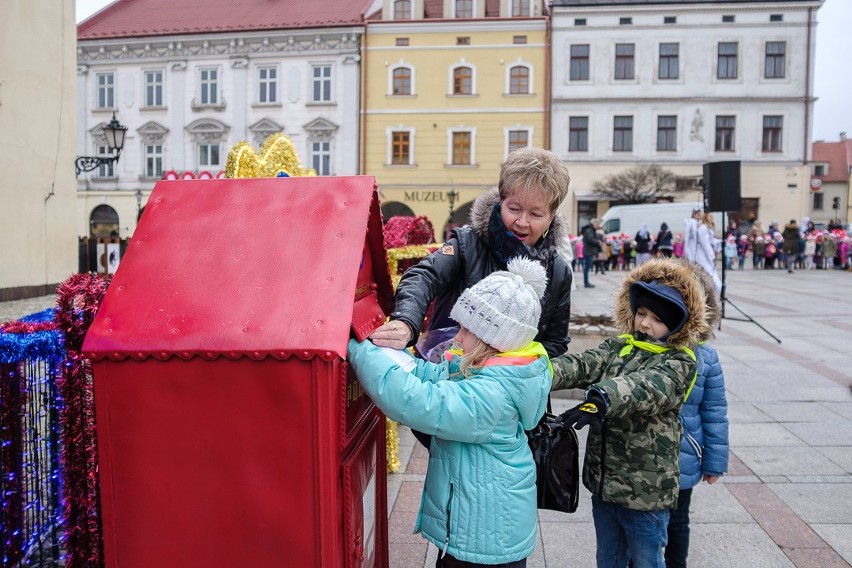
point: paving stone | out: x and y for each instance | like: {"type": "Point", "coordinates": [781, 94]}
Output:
{"type": "Point", "coordinates": [818, 503]}
{"type": "Point", "coordinates": [799, 460]}
{"type": "Point", "coordinates": [761, 434]}
{"type": "Point", "coordinates": [837, 536]}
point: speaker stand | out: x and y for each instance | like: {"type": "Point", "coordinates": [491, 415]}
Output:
{"type": "Point", "coordinates": [724, 295]}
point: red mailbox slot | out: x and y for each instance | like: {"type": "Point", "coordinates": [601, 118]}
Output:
{"type": "Point", "coordinates": [229, 431]}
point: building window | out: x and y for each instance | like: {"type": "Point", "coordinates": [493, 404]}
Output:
{"type": "Point", "coordinates": [727, 60]}
{"type": "Point", "coordinates": [725, 130]}
{"type": "Point", "coordinates": [154, 161]}
{"type": "Point", "coordinates": [463, 40]}
{"type": "Point", "coordinates": [728, 19]}
{"type": "Point", "coordinates": [321, 75]}
{"type": "Point", "coordinates": [107, 169]}
{"type": "Point", "coordinates": [578, 134]}
{"type": "Point", "coordinates": [820, 170]}
{"type": "Point", "coordinates": [402, 10]}
{"type": "Point", "coordinates": [776, 54]}
{"type": "Point", "coordinates": [267, 84]}
{"type": "Point", "coordinates": [105, 90]}
{"type": "Point", "coordinates": [818, 201]}
{"type": "Point", "coordinates": [518, 139]}
{"type": "Point", "coordinates": [401, 147]}
{"type": "Point", "coordinates": [579, 62]}
{"type": "Point", "coordinates": [518, 40]}
{"type": "Point", "coordinates": [622, 139]}
{"type": "Point", "coordinates": [625, 21]}
{"type": "Point", "coordinates": [772, 130]}
{"type": "Point", "coordinates": [579, 21]}
{"type": "Point", "coordinates": [462, 148]}
{"type": "Point", "coordinates": [666, 133]}
{"type": "Point", "coordinates": [462, 81]}
{"type": "Point", "coordinates": [776, 17]}
{"type": "Point", "coordinates": [209, 86]}
{"type": "Point", "coordinates": [669, 61]}
{"type": "Point", "coordinates": [669, 19]}
{"type": "Point", "coordinates": [464, 8]}
{"type": "Point", "coordinates": [321, 158]}
{"type": "Point", "coordinates": [401, 81]}
{"type": "Point", "coordinates": [208, 156]}
{"type": "Point", "coordinates": [624, 60]}
{"type": "Point", "coordinates": [153, 88]}
{"type": "Point", "coordinates": [401, 41]}
{"type": "Point", "coordinates": [520, 7]}
{"type": "Point", "coordinates": [519, 80]}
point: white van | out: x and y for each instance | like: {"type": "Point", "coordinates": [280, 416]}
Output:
{"type": "Point", "coordinates": [627, 219]}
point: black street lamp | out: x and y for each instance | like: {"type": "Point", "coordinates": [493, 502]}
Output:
{"type": "Point", "coordinates": [452, 195]}
{"type": "Point", "coordinates": [138, 204]}
{"type": "Point", "coordinates": [115, 133]}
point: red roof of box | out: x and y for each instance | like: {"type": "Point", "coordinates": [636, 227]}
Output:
{"type": "Point", "coordinates": [141, 18]}
{"type": "Point", "coordinates": [246, 268]}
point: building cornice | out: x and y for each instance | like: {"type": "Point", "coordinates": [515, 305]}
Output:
{"type": "Point", "coordinates": [220, 45]}
{"type": "Point", "coordinates": [458, 26]}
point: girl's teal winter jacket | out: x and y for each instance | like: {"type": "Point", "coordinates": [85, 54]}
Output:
{"type": "Point", "coordinates": [479, 496]}
{"type": "Point", "coordinates": [704, 446]}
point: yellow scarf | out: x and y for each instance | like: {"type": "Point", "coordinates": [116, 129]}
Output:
{"type": "Point", "coordinates": [630, 342]}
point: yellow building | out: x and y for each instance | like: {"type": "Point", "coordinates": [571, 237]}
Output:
{"type": "Point", "coordinates": [451, 87]}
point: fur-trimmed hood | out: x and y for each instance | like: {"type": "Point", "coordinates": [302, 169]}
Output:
{"type": "Point", "coordinates": [680, 277]}
{"type": "Point", "coordinates": [480, 213]}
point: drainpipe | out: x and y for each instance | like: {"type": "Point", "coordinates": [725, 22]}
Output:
{"type": "Point", "coordinates": [547, 75]}
{"type": "Point", "coordinates": [363, 165]}
{"type": "Point", "coordinates": [808, 87]}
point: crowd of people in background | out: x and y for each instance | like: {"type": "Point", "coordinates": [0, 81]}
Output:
{"type": "Point", "coordinates": [790, 247]}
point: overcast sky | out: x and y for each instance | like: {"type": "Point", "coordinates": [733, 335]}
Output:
{"type": "Point", "coordinates": [833, 86]}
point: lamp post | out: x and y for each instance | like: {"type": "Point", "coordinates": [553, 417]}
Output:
{"type": "Point", "coordinates": [138, 204]}
{"type": "Point", "coordinates": [114, 132]}
{"type": "Point", "coordinates": [452, 195]}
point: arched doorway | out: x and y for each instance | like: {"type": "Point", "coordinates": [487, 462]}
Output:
{"type": "Point", "coordinates": [395, 209]}
{"type": "Point", "coordinates": [460, 217]}
{"type": "Point", "coordinates": [103, 222]}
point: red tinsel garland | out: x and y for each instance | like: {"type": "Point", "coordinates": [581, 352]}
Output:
{"type": "Point", "coordinates": [78, 299]}
{"type": "Point", "coordinates": [401, 230]}
{"type": "Point", "coordinates": [27, 327]}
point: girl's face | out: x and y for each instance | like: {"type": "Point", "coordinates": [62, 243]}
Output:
{"type": "Point", "coordinates": [647, 322]}
{"type": "Point", "coordinates": [526, 214]}
{"type": "Point", "coordinates": [465, 340]}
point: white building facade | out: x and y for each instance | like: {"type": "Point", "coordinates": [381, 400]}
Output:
{"type": "Point", "coordinates": [681, 84]}
{"type": "Point", "coordinates": [187, 99]}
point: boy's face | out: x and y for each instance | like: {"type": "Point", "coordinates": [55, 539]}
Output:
{"type": "Point", "coordinates": [466, 340]}
{"type": "Point", "coordinates": [525, 213]}
{"type": "Point", "coordinates": [647, 322]}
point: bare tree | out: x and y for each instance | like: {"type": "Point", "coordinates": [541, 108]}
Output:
{"type": "Point", "coordinates": [639, 184]}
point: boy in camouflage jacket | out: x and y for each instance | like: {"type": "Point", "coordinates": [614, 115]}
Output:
{"type": "Point", "coordinates": [635, 385]}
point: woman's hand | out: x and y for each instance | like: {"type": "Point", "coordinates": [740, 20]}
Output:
{"type": "Point", "coordinates": [394, 334]}
{"type": "Point", "coordinates": [711, 479]}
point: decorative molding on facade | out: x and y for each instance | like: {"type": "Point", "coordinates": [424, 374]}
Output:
{"type": "Point", "coordinates": [152, 132]}
{"type": "Point", "coordinates": [239, 62]}
{"type": "Point", "coordinates": [697, 126]}
{"type": "Point", "coordinates": [178, 65]}
{"type": "Point", "coordinates": [97, 134]}
{"type": "Point", "coordinates": [263, 129]}
{"type": "Point", "coordinates": [320, 129]}
{"type": "Point", "coordinates": [222, 46]}
{"type": "Point", "coordinates": [220, 106]}
{"type": "Point", "coordinates": [207, 130]}
{"type": "Point", "coordinates": [82, 70]}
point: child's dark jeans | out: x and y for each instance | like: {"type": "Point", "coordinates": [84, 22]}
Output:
{"type": "Point", "coordinates": [678, 546]}
{"type": "Point", "coordinates": [624, 534]}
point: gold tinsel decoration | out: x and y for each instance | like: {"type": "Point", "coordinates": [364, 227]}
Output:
{"type": "Point", "coordinates": [277, 156]}
{"type": "Point", "coordinates": [406, 253]}
{"type": "Point", "coordinates": [392, 445]}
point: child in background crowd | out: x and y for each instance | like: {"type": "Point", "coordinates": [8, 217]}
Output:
{"type": "Point", "coordinates": [730, 251]}
{"type": "Point", "coordinates": [677, 246]}
{"type": "Point", "coordinates": [759, 252]}
{"type": "Point", "coordinates": [479, 498]}
{"type": "Point", "coordinates": [742, 251]}
{"type": "Point", "coordinates": [635, 385]}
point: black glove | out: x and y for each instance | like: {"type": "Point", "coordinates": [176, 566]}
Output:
{"type": "Point", "coordinates": [591, 412]}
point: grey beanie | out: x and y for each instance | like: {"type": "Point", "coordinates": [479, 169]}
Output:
{"type": "Point", "coordinates": [503, 308]}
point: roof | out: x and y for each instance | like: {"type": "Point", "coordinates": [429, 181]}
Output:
{"type": "Point", "coordinates": [143, 18]}
{"type": "Point", "coordinates": [838, 155]}
{"type": "Point", "coordinates": [268, 267]}
{"type": "Point", "coordinates": [640, 3]}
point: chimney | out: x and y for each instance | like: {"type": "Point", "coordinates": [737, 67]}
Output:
{"type": "Point", "coordinates": [843, 136]}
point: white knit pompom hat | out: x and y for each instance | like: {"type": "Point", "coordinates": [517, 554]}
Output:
{"type": "Point", "coordinates": [503, 308]}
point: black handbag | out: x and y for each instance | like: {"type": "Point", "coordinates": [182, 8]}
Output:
{"type": "Point", "coordinates": [557, 462]}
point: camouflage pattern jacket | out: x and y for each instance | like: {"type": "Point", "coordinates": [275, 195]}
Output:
{"type": "Point", "coordinates": [634, 460]}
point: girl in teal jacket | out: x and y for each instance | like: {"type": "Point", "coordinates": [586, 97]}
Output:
{"type": "Point", "coordinates": [479, 496]}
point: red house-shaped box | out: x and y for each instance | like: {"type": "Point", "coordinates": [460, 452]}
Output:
{"type": "Point", "coordinates": [230, 431]}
